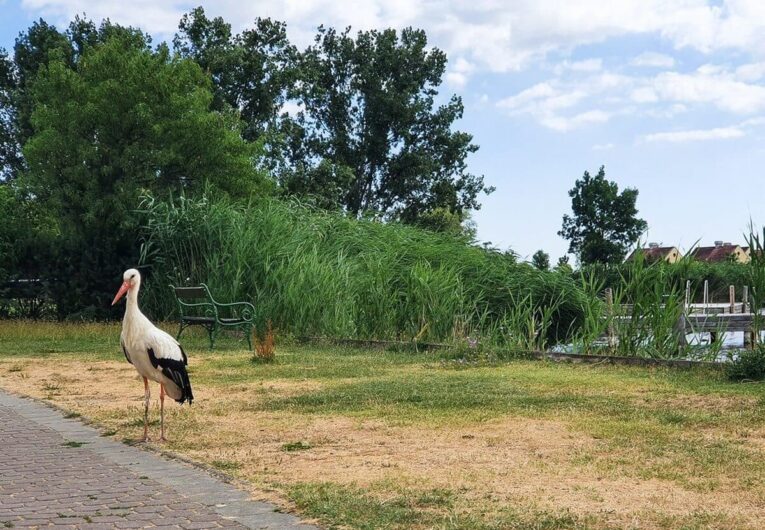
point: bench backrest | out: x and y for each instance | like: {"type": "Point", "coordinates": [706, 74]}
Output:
{"type": "Point", "coordinates": [190, 293]}
{"type": "Point", "coordinates": [194, 301]}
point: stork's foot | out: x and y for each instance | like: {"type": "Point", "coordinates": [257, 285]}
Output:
{"type": "Point", "coordinates": [144, 440]}
{"type": "Point", "coordinates": [162, 439]}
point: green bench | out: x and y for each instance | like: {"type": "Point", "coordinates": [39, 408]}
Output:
{"type": "Point", "coordinates": [197, 307]}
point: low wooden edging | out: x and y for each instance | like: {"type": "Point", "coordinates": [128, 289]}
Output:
{"type": "Point", "coordinates": [372, 343]}
{"type": "Point", "coordinates": [541, 355]}
{"type": "Point", "coordinates": [617, 359]}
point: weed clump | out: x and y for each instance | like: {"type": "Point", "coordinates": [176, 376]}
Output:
{"type": "Point", "coordinates": [265, 351]}
{"type": "Point", "coordinates": [748, 366]}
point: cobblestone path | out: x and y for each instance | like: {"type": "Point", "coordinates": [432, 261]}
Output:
{"type": "Point", "coordinates": [58, 473]}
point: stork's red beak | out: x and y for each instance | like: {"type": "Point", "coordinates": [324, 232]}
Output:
{"type": "Point", "coordinates": [123, 289]}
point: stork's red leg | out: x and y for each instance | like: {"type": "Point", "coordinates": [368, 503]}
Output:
{"type": "Point", "coordinates": [162, 412]}
{"type": "Point", "coordinates": [147, 397]}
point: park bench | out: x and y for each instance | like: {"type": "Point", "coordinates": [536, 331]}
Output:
{"type": "Point", "coordinates": [196, 306]}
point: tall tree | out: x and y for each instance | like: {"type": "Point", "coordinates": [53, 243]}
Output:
{"type": "Point", "coordinates": [10, 149]}
{"type": "Point", "coordinates": [369, 136]}
{"type": "Point", "coordinates": [604, 222]}
{"type": "Point", "coordinates": [541, 260]}
{"type": "Point", "coordinates": [122, 119]}
{"type": "Point", "coordinates": [251, 71]}
{"type": "Point", "coordinates": [34, 49]}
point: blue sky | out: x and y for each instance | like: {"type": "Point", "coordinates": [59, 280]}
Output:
{"type": "Point", "coordinates": [668, 95]}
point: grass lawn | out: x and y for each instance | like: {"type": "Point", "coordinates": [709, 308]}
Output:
{"type": "Point", "coordinates": [373, 439]}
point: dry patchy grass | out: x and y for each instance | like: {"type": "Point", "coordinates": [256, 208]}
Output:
{"type": "Point", "coordinates": [374, 439]}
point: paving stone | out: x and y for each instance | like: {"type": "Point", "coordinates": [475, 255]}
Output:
{"type": "Point", "coordinates": [47, 482]}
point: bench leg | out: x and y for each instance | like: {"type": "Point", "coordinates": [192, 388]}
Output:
{"type": "Point", "coordinates": [178, 336]}
{"type": "Point", "coordinates": [248, 334]}
{"type": "Point", "coordinates": [211, 332]}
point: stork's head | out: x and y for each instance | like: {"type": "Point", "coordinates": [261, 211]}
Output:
{"type": "Point", "coordinates": [131, 281]}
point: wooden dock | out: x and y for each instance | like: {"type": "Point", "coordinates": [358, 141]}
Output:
{"type": "Point", "coordinates": [706, 317]}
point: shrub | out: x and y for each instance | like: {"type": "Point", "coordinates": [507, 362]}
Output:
{"type": "Point", "coordinates": [264, 348]}
{"type": "Point", "coordinates": [748, 366]}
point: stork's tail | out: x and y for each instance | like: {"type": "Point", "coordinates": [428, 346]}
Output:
{"type": "Point", "coordinates": [186, 393]}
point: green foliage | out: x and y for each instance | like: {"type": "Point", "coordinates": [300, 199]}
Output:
{"type": "Point", "coordinates": [756, 275]}
{"type": "Point", "coordinates": [35, 48]}
{"type": "Point", "coordinates": [251, 71]}
{"type": "Point", "coordinates": [370, 131]}
{"type": "Point", "coordinates": [541, 260]}
{"type": "Point", "coordinates": [655, 305]}
{"type": "Point", "coordinates": [10, 156]}
{"type": "Point", "coordinates": [604, 222]}
{"type": "Point", "coordinates": [315, 273]}
{"type": "Point", "coordinates": [443, 220]}
{"type": "Point", "coordinates": [748, 365]}
{"type": "Point", "coordinates": [719, 275]}
{"type": "Point", "coordinates": [26, 234]}
{"type": "Point", "coordinates": [123, 119]}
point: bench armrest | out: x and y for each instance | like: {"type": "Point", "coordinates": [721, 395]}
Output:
{"type": "Point", "coordinates": [245, 309]}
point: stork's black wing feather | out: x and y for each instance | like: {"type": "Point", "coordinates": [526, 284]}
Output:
{"type": "Point", "coordinates": [124, 350]}
{"type": "Point", "coordinates": [175, 370]}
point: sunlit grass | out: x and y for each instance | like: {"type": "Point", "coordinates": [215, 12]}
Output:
{"type": "Point", "coordinates": [690, 430]}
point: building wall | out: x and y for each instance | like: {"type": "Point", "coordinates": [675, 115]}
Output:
{"type": "Point", "coordinates": [673, 256]}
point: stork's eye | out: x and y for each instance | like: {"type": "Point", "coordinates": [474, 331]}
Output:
{"type": "Point", "coordinates": [132, 276]}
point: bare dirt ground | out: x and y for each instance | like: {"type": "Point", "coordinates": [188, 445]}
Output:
{"type": "Point", "coordinates": [512, 461]}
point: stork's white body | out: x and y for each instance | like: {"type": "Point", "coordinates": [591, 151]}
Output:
{"type": "Point", "coordinates": [138, 336]}
{"type": "Point", "coordinates": [156, 355]}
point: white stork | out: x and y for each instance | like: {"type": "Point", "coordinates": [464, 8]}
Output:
{"type": "Point", "coordinates": [155, 354]}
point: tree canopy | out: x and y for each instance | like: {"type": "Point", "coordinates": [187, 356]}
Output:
{"type": "Point", "coordinates": [369, 135]}
{"type": "Point", "coordinates": [123, 119]}
{"type": "Point", "coordinates": [541, 260]}
{"type": "Point", "coordinates": [94, 115]}
{"type": "Point", "coordinates": [251, 71]}
{"type": "Point", "coordinates": [604, 223]}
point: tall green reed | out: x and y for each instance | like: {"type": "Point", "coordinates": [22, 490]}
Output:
{"type": "Point", "coordinates": [317, 273]}
{"type": "Point", "coordinates": [756, 276]}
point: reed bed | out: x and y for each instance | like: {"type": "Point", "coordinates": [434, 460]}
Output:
{"type": "Point", "coordinates": [322, 274]}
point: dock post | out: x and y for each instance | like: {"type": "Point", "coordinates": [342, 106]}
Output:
{"type": "Point", "coordinates": [749, 340]}
{"type": "Point", "coordinates": [732, 297]}
{"type": "Point", "coordinates": [679, 330]}
{"type": "Point", "coordinates": [687, 295]}
{"type": "Point", "coordinates": [706, 296]}
{"type": "Point", "coordinates": [745, 300]}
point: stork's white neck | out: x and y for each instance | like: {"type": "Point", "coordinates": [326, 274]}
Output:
{"type": "Point", "coordinates": [133, 315]}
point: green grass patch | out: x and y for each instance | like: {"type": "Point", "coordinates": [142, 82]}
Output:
{"type": "Point", "coordinates": [295, 446]}
{"type": "Point", "coordinates": [226, 465]}
{"type": "Point", "coordinates": [367, 509]}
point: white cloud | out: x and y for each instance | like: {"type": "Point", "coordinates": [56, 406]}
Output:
{"type": "Point", "coordinates": [556, 103]}
{"type": "Point", "coordinates": [158, 18]}
{"type": "Point", "coordinates": [292, 107]}
{"type": "Point", "coordinates": [644, 94]}
{"type": "Point", "coordinates": [721, 133]}
{"type": "Point", "coordinates": [751, 71]}
{"type": "Point", "coordinates": [710, 86]}
{"type": "Point", "coordinates": [459, 73]}
{"type": "Point", "coordinates": [567, 123]}
{"type": "Point", "coordinates": [587, 65]}
{"type": "Point", "coordinates": [653, 60]}
{"type": "Point", "coordinates": [603, 147]}
{"type": "Point", "coordinates": [492, 35]}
